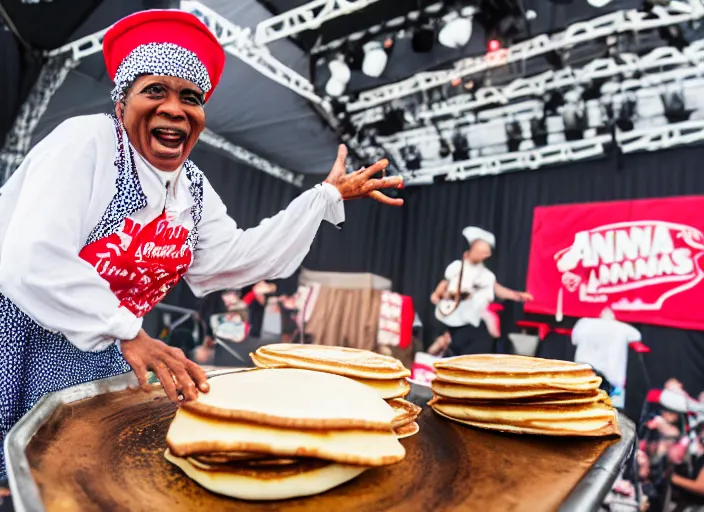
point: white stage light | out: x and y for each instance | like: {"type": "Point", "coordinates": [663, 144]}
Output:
{"type": "Point", "coordinates": [375, 59]}
{"type": "Point", "coordinates": [334, 88]}
{"type": "Point", "coordinates": [456, 32]}
{"type": "Point", "coordinates": [339, 71]}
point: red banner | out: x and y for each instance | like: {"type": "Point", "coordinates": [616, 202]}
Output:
{"type": "Point", "coordinates": [643, 259]}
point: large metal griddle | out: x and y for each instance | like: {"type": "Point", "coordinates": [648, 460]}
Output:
{"type": "Point", "coordinates": [99, 446]}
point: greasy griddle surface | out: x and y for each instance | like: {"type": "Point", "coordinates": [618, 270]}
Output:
{"type": "Point", "coordinates": [106, 453]}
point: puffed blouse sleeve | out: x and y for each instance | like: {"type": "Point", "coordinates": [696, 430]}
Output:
{"type": "Point", "coordinates": [40, 268]}
{"type": "Point", "coordinates": [229, 257]}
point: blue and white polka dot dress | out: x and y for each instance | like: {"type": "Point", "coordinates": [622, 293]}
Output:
{"type": "Point", "coordinates": [35, 361]}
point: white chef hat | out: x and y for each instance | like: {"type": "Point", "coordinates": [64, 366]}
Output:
{"type": "Point", "coordinates": [473, 233]}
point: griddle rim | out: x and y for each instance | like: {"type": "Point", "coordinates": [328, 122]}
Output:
{"type": "Point", "coordinates": [24, 491]}
{"type": "Point", "coordinates": [585, 497]}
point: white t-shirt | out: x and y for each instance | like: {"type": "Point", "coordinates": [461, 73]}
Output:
{"type": "Point", "coordinates": [478, 281]}
{"type": "Point", "coordinates": [603, 343]}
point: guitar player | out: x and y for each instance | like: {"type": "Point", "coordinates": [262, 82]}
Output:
{"type": "Point", "coordinates": [462, 299]}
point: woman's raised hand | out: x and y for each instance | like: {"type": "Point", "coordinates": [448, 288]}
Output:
{"type": "Point", "coordinates": [360, 183]}
{"type": "Point", "coordinates": [180, 377]}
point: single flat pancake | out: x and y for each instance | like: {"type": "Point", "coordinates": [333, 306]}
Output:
{"type": "Point", "coordinates": [520, 382]}
{"type": "Point", "coordinates": [520, 414]}
{"type": "Point", "coordinates": [294, 398]}
{"type": "Point", "coordinates": [593, 428]}
{"type": "Point", "coordinates": [514, 395]}
{"type": "Point", "coordinates": [387, 388]}
{"type": "Point", "coordinates": [504, 364]}
{"type": "Point", "coordinates": [192, 434]}
{"type": "Point", "coordinates": [405, 412]}
{"type": "Point", "coordinates": [350, 362]}
{"type": "Point", "coordinates": [305, 478]}
{"type": "Point", "coordinates": [408, 430]}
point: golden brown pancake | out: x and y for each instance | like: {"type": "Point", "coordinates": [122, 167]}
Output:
{"type": "Point", "coordinates": [192, 434]}
{"type": "Point", "coordinates": [507, 382]}
{"type": "Point", "coordinates": [387, 388]}
{"type": "Point", "coordinates": [593, 428]}
{"type": "Point", "coordinates": [518, 413]}
{"type": "Point", "coordinates": [350, 362]}
{"type": "Point", "coordinates": [504, 364]}
{"type": "Point", "coordinates": [572, 419]}
{"type": "Point", "coordinates": [501, 395]}
{"type": "Point", "coordinates": [304, 478]}
{"type": "Point", "coordinates": [294, 398]}
{"type": "Point", "coordinates": [407, 430]}
{"type": "Point", "coordinates": [405, 412]}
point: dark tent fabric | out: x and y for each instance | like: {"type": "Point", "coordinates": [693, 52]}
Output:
{"type": "Point", "coordinates": [249, 194]}
{"type": "Point", "coordinates": [413, 245]}
{"type": "Point", "coordinates": [19, 68]}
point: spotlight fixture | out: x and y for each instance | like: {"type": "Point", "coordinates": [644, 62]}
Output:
{"type": "Point", "coordinates": [411, 156]}
{"type": "Point", "coordinates": [675, 108]}
{"type": "Point", "coordinates": [539, 131]}
{"type": "Point", "coordinates": [627, 113]}
{"type": "Point", "coordinates": [456, 32]}
{"type": "Point", "coordinates": [573, 115]}
{"type": "Point", "coordinates": [514, 135]}
{"type": "Point", "coordinates": [340, 75]}
{"type": "Point", "coordinates": [423, 38]}
{"type": "Point", "coordinates": [460, 147]}
{"type": "Point", "coordinates": [375, 59]}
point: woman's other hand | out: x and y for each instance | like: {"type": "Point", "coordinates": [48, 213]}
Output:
{"type": "Point", "coordinates": [179, 376]}
{"type": "Point", "coordinates": [360, 183]}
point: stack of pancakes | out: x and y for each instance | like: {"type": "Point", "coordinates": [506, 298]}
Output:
{"type": "Point", "coordinates": [525, 395]}
{"type": "Point", "coordinates": [281, 433]}
{"type": "Point", "coordinates": [385, 374]}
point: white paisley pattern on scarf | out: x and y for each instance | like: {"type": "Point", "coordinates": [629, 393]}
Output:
{"type": "Point", "coordinates": [161, 59]}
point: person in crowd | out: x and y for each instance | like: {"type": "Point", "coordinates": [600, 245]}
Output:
{"type": "Point", "coordinates": [106, 214]}
{"type": "Point", "coordinates": [688, 479]}
{"type": "Point", "coordinates": [462, 298]}
{"type": "Point", "coordinates": [603, 343]}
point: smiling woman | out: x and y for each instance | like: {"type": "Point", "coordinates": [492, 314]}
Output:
{"type": "Point", "coordinates": [123, 215]}
{"type": "Point", "coordinates": [164, 117]}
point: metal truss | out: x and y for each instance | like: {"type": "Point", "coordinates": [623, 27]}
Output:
{"type": "Point", "coordinates": [647, 139]}
{"type": "Point", "coordinates": [306, 17]}
{"type": "Point", "coordinates": [691, 58]}
{"type": "Point", "coordinates": [238, 42]}
{"type": "Point", "coordinates": [19, 140]}
{"type": "Point", "coordinates": [216, 141]}
{"type": "Point", "coordinates": [597, 28]}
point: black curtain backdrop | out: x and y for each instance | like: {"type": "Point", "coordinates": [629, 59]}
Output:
{"type": "Point", "coordinates": [250, 196]}
{"type": "Point", "coordinates": [413, 245]}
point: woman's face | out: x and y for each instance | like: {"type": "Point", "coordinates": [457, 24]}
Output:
{"type": "Point", "coordinates": [163, 117]}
